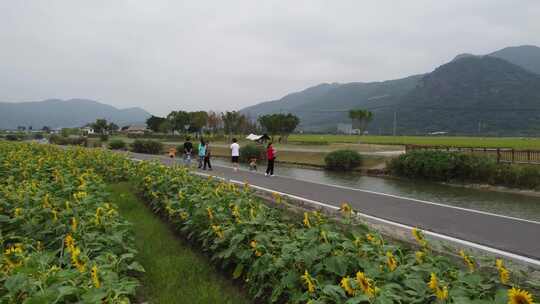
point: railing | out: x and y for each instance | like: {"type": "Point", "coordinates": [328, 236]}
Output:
{"type": "Point", "coordinates": [503, 155]}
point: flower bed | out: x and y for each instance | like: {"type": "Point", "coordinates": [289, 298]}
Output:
{"type": "Point", "coordinates": [314, 260]}
{"type": "Point", "coordinates": [61, 241]}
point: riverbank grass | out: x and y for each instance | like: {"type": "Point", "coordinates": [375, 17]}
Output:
{"type": "Point", "coordinates": [175, 273]}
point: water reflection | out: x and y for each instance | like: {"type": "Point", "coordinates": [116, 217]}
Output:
{"type": "Point", "coordinates": [510, 204]}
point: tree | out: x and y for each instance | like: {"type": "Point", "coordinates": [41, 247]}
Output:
{"type": "Point", "coordinates": [232, 122]}
{"type": "Point", "coordinates": [165, 126]}
{"type": "Point", "coordinates": [100, 126]}
{"type": "Point", "coordinates": [154, 123]}
{"type": "Point", "coordinates": [214, 121]}
{"type": "Point", "coordinates": [179, 119]}
{"type": "Point", "coordinates": [198, 120]}
{"type": "Point", "coordinates": [362, 118]}
{"type": "Point", "coordinates": [282, 124]}
{"type": "Point", "coordinates": [112, 127]}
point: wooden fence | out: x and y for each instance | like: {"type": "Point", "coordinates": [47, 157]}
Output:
{"type": "Point", "coordinates": [503, 155]}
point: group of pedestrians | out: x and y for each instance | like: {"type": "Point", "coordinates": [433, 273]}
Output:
{"type": "Point", "coordinates": [203, 151]}
{"type": "Point", "coordinates": [204, 156]}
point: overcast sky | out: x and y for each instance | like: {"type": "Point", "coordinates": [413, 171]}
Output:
{"type": "Point", "coordinates": [165, 55]}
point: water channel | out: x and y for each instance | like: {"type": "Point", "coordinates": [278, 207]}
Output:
{"type": "Point", "coordinates": [509, 204]}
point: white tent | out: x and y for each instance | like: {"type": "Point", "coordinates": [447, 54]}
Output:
{"type": "Point", "coordinates": [253, 137]}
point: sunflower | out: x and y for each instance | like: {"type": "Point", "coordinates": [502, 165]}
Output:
{"type": "Point", "coordinates": [306, 220]}
{"type": "Point", "coordinates": [391, 261]}
{"type": "Point", "coordinates": [346, 285]}
{"type": "Point", "coordinates": [519, 296]}
{"type": "Point", "coordinates": [346, 209]}
{"type": "Point", "coordinates": [365, 284]}
{"type": "Point", "coordinates": [442, 293]}
{"type": "Point", "coordinates": [468, 260]}
{"type": "Point", "coordinates": [95, 277]}
{"type": "Point", "coordinates": [433, 281]}
{"type": "Point", "coordinates": [419, 255]}
{"type": "Point", "coordinates": [309, 282]}
{"type": "Point", "coordinates": [419, 237]}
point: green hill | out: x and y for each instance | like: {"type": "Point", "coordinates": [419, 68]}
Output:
{"type": "Point", "coordinates": [468, 95]}
{"type": "Point", "coordinates": [56, 113]}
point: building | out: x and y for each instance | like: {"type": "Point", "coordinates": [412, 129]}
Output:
{"type": "Point", "coordinates": [347, 128]}
{"type": "Point", "coordinates": [136, 129]}
{"type": "Point", "coordinates": [87, 131]}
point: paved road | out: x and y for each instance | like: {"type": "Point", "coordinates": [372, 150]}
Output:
{"type": "Point", "coordinates": [512, 235]}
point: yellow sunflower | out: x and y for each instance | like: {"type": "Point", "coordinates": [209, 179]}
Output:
{"type": "Point", "coordinates": [365, 284]}
{"type": "Point", "coordinates": [346, 285]}
{"type": "Point", "coordinates": [519, 296]}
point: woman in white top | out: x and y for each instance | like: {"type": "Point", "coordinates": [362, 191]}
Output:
{"type": "Point", "coordinates": [235, 153]}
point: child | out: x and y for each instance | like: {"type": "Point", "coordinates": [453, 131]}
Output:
{"type": "Point", "coordinates": [253, 164]}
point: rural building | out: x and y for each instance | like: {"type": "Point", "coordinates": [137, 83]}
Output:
{"type": "Point", "coordinates": [346, 128]}
{"type": "Point", "coordinates": [136, 129]}
{"type": "Point", "coordinates": [87, 131]}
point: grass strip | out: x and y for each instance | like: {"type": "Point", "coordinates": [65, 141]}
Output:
{"type": "Point", "coordinates": [175, 273]}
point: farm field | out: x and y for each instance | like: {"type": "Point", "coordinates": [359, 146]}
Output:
{"type": "Point", "coordinates": [278, 255]}
{"type": "Point", "coordinates": [488, 142]}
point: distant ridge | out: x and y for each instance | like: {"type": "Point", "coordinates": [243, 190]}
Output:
{"type": "Point", "coordinates": [57, 113]}
{"type": "Point", "coordinates": [492, 92]}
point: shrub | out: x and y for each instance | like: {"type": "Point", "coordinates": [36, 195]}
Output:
{"type": "Point", "coordinates": [454, 166]}
{"type": "Point", "coordinates": [117, 144]}
{"type": "Point", "coordinates": [12, 137]}
{"type": "Point", "coordinates": [342, 160]}
{"type": "Point", "coordinates": [38, 136]}
{"type": "Point", "coordinates": [71, 140]}
{"type": "Point", "coordinates": [250, 151]}
{"type": "Point", "coordinates": [104, 137]}
{"type": "Point", "coordinates": [147, 146]}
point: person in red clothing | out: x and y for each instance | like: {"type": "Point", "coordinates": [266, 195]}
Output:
{"type": "Point", "coordinates": [271, 157]}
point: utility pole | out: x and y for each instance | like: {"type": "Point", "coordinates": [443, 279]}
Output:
{"type": "Point", "coordinates": [395, 123]}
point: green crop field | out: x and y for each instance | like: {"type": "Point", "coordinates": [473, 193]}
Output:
{"type": "Point", "coordinates": [489, 142]}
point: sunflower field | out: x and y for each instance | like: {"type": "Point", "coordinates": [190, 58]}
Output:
{"type": "Point", "coordinates": [61, 241]}
{"type": "Point", "coordinates": [313, 259]}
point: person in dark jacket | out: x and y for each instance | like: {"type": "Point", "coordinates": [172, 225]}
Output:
{"type": "Point", "coordinates": [188, 149]}
{"type": "Point", "coordinates": [207, 157]}
{"type": "Point", "coordinates": [271, 157]}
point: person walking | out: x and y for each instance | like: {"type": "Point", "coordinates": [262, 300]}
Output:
{"type": "Point", "coordinates": [271, 157]}
{"type": "Point", "coordinates": [188, 149]}
{"type": "Point", "coordinates": [235, 153]}
{"type": "Point", "coordinates": [202, 153]}
{"type": "Point", "coordinates": [207, 157]}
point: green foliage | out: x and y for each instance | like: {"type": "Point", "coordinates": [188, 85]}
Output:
{"type": "Point", "coordinates": [276, 254]}
{"type": "Point", "coordinates": [100, 126]}
{"type": "Point", "coordinates": [71, 140]}
{"type": "Point", "coordinates": [176, 273]}
{"type": "Point", "coordinates": [117, 144]}
{"type": "Point", "coordinates": [38, 136]}
{"type": "Point", "coordinates": [453, 166]}
{"type": "Point", "coordinates": [12, 137]}
{"type": "Point", "coordinates": [282, 124]}
{"type": "Point", "coordinates": [62, 242]}
{"type": "Point", "coordinates": [250, 151]}
{"type": "Point", "coordinates": [362, 118]}
{"type": "Point", "coordinates": [343, 160]}
{"type": "Point", "coordinates": [147, 146]}
{"type": "Point", "coordinates": [104, 137]}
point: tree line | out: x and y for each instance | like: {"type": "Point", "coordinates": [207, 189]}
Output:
{"type": "Point", "coordinates": [228, 123]}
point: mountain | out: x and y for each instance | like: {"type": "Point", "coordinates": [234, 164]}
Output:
{"type": "Point", "coordinates": [320, 107]}
{"type": "Point", "coordinates": [526, 56]}
{"type": "Point", "coordinates": [57, 113]}
{"type": "Point", "coordinates": [470, 95]}
{"type": "Point", "coordinates": [491, 94]}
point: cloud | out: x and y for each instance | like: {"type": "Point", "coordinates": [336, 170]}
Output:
{"type": "Point", "coordinates": [165, 55]}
